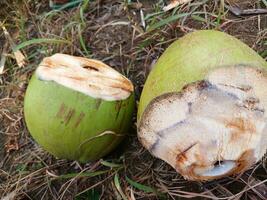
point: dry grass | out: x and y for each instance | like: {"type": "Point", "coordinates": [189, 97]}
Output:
{"type": "Point", "coordinates": [113, 31]}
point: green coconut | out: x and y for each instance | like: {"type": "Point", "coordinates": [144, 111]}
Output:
{"type": "Point", "coordinates": [203, 108]}
{"type": "Point", "coordinates": [190, 58]}
{"type": "Point", "coordinates": [77, 108]}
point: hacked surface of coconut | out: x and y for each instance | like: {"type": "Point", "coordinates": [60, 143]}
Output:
{"type": "Point", "coordinates": [87, 76]}
{"type": "Point", "coordinates": [214, 127]}
{"type": "Point", "coordinates": [78, 108]}
{"type": "Point", "coordinates": [206, 129]}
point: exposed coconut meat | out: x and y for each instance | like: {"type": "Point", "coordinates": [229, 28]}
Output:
{"type": "Point", "coordinates": [212, 128]}
{"type": "Point", "coordinates": [87, 76]}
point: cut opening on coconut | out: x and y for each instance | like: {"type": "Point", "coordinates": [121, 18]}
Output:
{"type": "Point", "coordinates": [220, 168]}
{"type": "Point", "coordinates": [88, 76]}
{"type": "Point", "coordinates": [204, 130]}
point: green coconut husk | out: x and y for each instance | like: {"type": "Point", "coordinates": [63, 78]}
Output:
{"type": "Point", "coordinates": [190, 58]}
{"type": "Point", "coordinates": [73, 125]}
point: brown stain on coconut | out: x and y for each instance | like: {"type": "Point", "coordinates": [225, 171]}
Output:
{"type": "Point", "coordinates": [90, 68]}
{"type": "Point", "coordinates": [69, 115]}
{"type": "Point", "coordinates": [198, 85]}
{"type": "Point", "coordinates": [98, 103]}
{"type": "Point", "coordinates": [77, 78]}
{"type": "Point", "coordinates": [65, 113]}
{"type": "Point", "coordinates": [243, 163]}
{"type": "Point", "coordinates": [48, 63]}
{"type": "Point", "coordinates": [189, 171]}
{"type": "Point", "coordinates": [123, 116]}
{"type": "Point", "coordinates": [61, 111]}
{"type": "Point", "coordinates": [246, 160]}
{"type": "Point", "coordinates": [181, 158]}
{"type": "Point", "coordinates": [124, 85]}
{"type": "Point", "coordinates": [240, 126]}
{"type": "Point", "coordinates": [118, 108]}
{"type": "Point", "coordinates": [244, 88]}
{"type": "Point", "coordinates": [79, 119]}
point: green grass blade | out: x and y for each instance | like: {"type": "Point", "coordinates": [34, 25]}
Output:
{"type": "Point", "coordinates": [111, 165]}
{"type": "Point", "coordinates": [83, 8]}
{"type": "Point", "coordinates": [201, 19]}
{"type": "Point", "coordinates": [141, 187]}
{"type": "Point", "coordinates": [198, 18]}
{"type": "Point", "coordinates": [118, 186]}
{"type": "Point", "coordinates": [166, 21]}
{"type": "Point", "coordinates": [221, 14]}
{"type": "Point", "coordinates": [152, 15]}
{"type": "Point", "coordinates": [40, 41]}
{"type": "Point", "coordinates": [82, 41]}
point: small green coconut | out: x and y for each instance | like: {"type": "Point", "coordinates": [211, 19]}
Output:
{"type": "Point", "coordinates": [203, 108]}
{"type": "Point", "coordinates": [78, 108]}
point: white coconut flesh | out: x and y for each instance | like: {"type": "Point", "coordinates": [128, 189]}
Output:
{"type": "Point", "coordinates": [87, 76]}
{"type": "Point", "coordinates": [212, 128]}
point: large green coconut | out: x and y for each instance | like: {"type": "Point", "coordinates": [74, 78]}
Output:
{"type": "Point", "coordinates": [203, 108]}
{"type": "Point", "coordinates": [78, 108]}
{"type": "Point", "coordinates": [191, 58]}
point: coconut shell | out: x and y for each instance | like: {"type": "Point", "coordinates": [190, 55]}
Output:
{"type": "Point", "coordinates": [203, 107]}
{"type": "Point", "coordinates": [72, 124]}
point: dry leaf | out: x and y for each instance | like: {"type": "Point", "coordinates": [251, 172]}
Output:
{"type": "Point", "coordinates": [132, 195]}
{"type": "Point", "coordinates": [20, 58]}
{"type": "Point", "coordinates": [3, 59]}
{"type": "Point", "coordinates": [175, 3]}
{"type": "Point", "coordinates": [10, 196]}
{"type": "Point", "coordinates": [12, 144]}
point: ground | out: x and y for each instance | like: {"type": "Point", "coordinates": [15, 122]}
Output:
{"type": "Point", "coordinates": [112, 31]}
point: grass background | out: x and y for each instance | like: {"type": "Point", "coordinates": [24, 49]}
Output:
{"type": "Point", "coordinates": [129, 36]}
